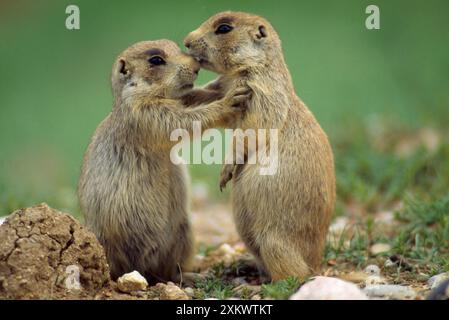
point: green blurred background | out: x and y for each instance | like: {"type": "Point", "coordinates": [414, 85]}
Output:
{"type": "Point", "coordinates": [54, 86]}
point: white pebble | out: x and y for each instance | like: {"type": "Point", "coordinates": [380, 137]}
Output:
{"type": "Point", "coordinates": [372, 269]}
{"type": "Point", "coordinates": [189, 291]}
{"type": "Point", "coordinates": [389, 264]}
{"type": "Point", "coordinates": [132, 281]}
{"type": "Point", "coordinates": [375, 279]}
{"type": "Point", "coordinates": [390, 291]}
{"type": "Point", "coordinates": [328, 288]}
{"type": "Point", "coordinates": [380, 248]}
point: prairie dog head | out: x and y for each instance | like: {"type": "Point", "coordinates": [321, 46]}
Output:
{"type": "Point", "coordinates": [156, 68]}
{"type": "Point", "coordinates": [229, 41]}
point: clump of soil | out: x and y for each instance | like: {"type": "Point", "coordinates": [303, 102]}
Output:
{"type": "Point", "coordinates": [47, 254]}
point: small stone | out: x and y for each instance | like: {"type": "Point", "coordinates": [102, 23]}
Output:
{"type": "Point", "coordinates": [170, 291]}
{"type": "Point", "coordinates": [227, 253]}
{"type": "Point", "coordinates": [239, 281]}
{"type": "Point", "coordinates": [438, 279]}
{"type": "Point", "coordinates": [251, 289]}
{"type": "Point", "coordinates": [256, 297]}
{"type": "Point", "coordinates": [372, 269]}
{"type": "Point", "coordinates": [379, 248]}
{"type": "Point", "coordinates": [189, 291]}
{"type": "Point", "coordinates": [355, 276]}
{"type": "Point", "coordinates": [132, 281]}
{"type": "Point", "coordinates": [226, 249]}
{"type": "Point", "coordinates": [421, 277]}
{"type": "Point", "coordinates": [390, 291]}
{"type": "Point", "coordinates": [328, 288]}
{"type": "Point", "coordinates": [139, 293]}
{"type": "Point", "coordinates": [441, 292]}
{"type": "Point", "coordinates": [389, 264]}
{"type": "Point", "coordinates": [2, 219]}
{"type": "Point", "coordinates": [240, 247]}
{"type": "Point", "coordinates": [375, 279]}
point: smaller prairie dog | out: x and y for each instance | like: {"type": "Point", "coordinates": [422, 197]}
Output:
{"type": "Point", "coordinates": [282, 218]}
{"type": "Point", "coordinates": [133, 197]}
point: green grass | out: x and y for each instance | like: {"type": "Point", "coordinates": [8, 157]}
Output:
{"type": "Point", "coordinates": [214, 286]}
{"type": "Point", "coordinates": [425, 234]}
{"type": "Point", "coordinates": [281, 289]}
{"type": "Point", "coordinates": [421, 236]}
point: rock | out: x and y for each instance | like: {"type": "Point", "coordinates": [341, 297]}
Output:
{"type": "Point", "coordinates": [47, 254]}
{"type": "Point", "coordinates": [441, 292]}
{"type": "Point", "coordinates": [438, 279]}
{"type": "Point", "coordinates": [239, 281]}
{"type": "Point", "coordinates": [379, 248]}
{"type": "Point", "coordinates": [248, 289]}
{"type": "Point", "coordinates": [225, 249]}
{"type": "Point", "coordinates": [228, 254]}
{"type": "Point", "coordinates": [354, 276]}
{"type": "Point", "coordinates": [256, 297]}
{"type": "Point", "coordinates": [390, 291]}
{"type": "Point", "coordinates": [328, 288]}
{"type": "Point", "coordinates": [390, 264]}
{"type": "Point", "coordinates": [225, 254]}
{"type": "Point", "coordinates": [240, 248]}
{"type": "Point", "coordinates": [375, 279]}
{"type": "Point", "coordinates": [2, 219]}
{"type": "Point", "coordinates": [421, 277]}
{"type": "Point", "coordinates": [170, 291]}
{"type": "Point", "coordinates": [132, 281]}
{"type": "Point", "coordinates": [372, 269]}
{"type": "Point", "coordinates": [189, 291]}
{"type": "Point", "coordinates": [139, 294]}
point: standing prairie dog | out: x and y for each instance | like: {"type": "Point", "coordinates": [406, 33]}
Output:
{"type": "Point", "coordinates": [283, 218]}
{"type": "Point", "coordinates": [133, 197]}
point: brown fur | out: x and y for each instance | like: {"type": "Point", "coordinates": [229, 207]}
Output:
{"type": "Point", "coordinates": [133, 197]}
{"type": "Point", "coordinates": [282, 218]}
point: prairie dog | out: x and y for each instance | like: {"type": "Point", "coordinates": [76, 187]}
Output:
{"type": "Point", "coordinates": [283, 218]}
{"type": "Point", "coordinates": [133, 197]}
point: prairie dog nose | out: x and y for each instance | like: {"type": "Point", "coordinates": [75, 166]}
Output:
{"type": "Point", "coordinates": [189, 39]}
{"type": "Point", "coordinates": [191, 63]}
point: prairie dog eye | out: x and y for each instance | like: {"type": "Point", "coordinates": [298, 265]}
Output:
{"type": "Point", "coordinates": [156, 60]}
{"type": "Point", "coordinates": [223, 28]}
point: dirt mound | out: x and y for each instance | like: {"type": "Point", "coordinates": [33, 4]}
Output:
{"type": "Point", "coordinates": [47, 254]}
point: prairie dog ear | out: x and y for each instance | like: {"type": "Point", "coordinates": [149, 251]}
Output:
{"type": "Point", "coordinates": [261, 33]}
